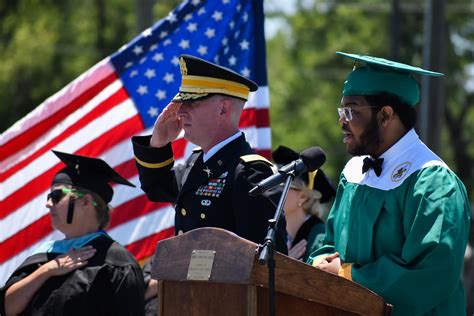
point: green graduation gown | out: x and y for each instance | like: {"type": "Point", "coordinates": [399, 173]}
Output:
{"type": "Point", "coordinates": [405, 232]}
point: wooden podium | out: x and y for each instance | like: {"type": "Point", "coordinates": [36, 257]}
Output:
{"type": "Point", "coordinates": [238, 284]}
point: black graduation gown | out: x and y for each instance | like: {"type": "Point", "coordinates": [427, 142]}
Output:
{"type": "Point", "coordinates": [211, 194]}
{"type": "Point", "coordinates": [110, 284]}
{"type": "Point", "coordinates": [312, 230]}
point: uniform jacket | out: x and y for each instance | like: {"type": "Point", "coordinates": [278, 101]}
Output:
{"type": "Point", "coordinates": [211, 194]}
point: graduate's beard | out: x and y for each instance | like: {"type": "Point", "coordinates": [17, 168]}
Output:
{"type": "Point", "coordinates": [369, 140]}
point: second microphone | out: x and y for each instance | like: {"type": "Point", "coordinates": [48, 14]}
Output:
{"type": "Point", "coordinates": [310, 160]}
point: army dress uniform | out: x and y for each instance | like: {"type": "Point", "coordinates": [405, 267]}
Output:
{"type": "Point", "coordinates": [210, 194]}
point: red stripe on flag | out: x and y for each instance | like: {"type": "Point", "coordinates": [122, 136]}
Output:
{"type": "Point", "coordinates": [25, 238]}
{"type": "Point", "coordinates": [114, 100]}
{"type": "Point", "coordinates": [267, 153]}
{"type": "Point", "coordinates": [24, 139]}
{"type": "Point", "coordinates": [127, 169]}
{"type": "Point", "coordinates": [145, 247]}
{"type": "Point", "coordinates": [179, 147]}
{"type": "Point", "coordinates": [94, 148]}
{"type": "Point", "coordinates": [132, 209]}
{"type": "Point", "coordinates": [254, 117]}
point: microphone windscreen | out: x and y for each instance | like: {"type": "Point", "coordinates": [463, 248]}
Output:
{"type": "Point", "coordinates": [313, 158]}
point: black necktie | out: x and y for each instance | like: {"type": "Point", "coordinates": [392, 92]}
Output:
{"type": "Point", "coordinates": [375, 164]}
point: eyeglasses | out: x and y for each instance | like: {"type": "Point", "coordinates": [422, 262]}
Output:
{"type": "Point", "coordinates": [58, 194]}
{"type": "Point", "coordinates": [348, 112]}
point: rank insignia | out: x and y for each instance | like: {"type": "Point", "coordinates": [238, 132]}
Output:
{"type": "Point", "coordinates": [208, 171]}
{"type": "Point", "coordinates": [213, 188]}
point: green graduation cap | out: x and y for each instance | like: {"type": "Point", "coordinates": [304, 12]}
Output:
{"type": "Point", "coordinates": [374, 75]}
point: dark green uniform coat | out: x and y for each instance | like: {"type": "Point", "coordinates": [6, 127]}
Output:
{"type": "Point", "coordinates": [211, 194]}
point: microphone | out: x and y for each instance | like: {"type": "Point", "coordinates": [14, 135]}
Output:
{"type": "Point", "coordinates": [310, 160]}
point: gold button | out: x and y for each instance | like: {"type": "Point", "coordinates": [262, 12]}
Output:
{"type": "Point", "coordinates": [183, 211]}
{"type": "Point", "coordinates": [180, 232]}
{"type": "Point", "coordinates": [203, 216]}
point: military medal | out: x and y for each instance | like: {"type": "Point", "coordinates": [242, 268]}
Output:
{"type": "Point", "coordinates": [213, 188]}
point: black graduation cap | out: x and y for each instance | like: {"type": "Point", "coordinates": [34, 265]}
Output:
{"type": "Point", "coordinates": [314, 180]}
{"type": "Point", "coordinates": [89, 173]}
{"type": "Point", "coordinates": [201, 79]}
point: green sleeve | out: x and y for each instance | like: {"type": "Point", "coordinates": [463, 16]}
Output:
{"type": "Point", "coordinates": [315, 239]}
{"type": "Point", "coordinates": [435, 224]}
{"type": "Point", "coordinates": [328, 243]}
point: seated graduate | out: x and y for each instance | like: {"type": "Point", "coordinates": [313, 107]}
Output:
{"type": "Point", "coordinates": [306, 207]}
{"type": "Point", "coordinates": [88, 273]}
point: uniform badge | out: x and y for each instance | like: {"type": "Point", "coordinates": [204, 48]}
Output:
{"type": "Point", "coordinates": [205, 202]}
{"type": "Point", "coordinates": [182, 67]}
{"type": "Point", "coordinates": [208, 171]}
{"type": "Point", "coordinates": [213, 188]}
{"type": "Point", "coordinates": [400, 171]}
{"type": "Point", "coordinates": [224, 175]}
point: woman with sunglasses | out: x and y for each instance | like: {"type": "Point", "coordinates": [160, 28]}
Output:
{"type": "Point", "coordinates": [306, 207]}
{"type": "Point", "coordinates": [87, 273]}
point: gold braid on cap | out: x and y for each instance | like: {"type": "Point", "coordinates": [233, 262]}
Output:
{"type": "Point", "coordinates": [203, 84]}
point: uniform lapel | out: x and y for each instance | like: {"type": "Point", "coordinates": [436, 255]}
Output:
{"type": "Point", "coordinates": [195, 176]}
{"type": "Point", "coordinates": [216, 166]}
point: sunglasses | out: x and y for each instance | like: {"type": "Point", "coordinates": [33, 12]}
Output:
{"type": "Point", "coordinates": [58, 194]}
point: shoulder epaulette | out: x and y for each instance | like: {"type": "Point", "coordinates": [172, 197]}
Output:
{"type": "Point", "coordinates": [255, 157]}
{"type": "Point", "coordinates": [197, 149]}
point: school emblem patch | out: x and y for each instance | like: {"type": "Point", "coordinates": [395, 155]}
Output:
{"type": "Point", "coordinates": [213, 188]}
{"type": "Point", "coordinates": [400, 171]}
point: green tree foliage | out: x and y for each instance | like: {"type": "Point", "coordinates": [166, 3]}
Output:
{"type": "Point", "coordinates": [46, 44]}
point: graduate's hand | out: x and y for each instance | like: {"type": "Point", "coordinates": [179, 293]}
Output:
{"type": "Point", "coordinates": [70, 261]}
{"type": "Point", "coordinates": [298, 250]}
{"type": "Point", "coordinates": [331, 263]}
{"type": "Point", "coordinates": [167, 126]}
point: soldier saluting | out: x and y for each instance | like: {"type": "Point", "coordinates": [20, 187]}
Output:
{"type": "Point", "coordinates": [211, 189]}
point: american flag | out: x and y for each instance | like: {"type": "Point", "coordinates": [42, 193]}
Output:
{"type": "Point", "coordinates": [121, 96]}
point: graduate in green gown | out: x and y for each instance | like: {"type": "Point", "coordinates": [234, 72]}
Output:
{"type": "Point", "coordinates": [400, 220]}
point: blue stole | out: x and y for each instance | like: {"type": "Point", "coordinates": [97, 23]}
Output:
{"type": "Point", "coordinates": [63, 246]}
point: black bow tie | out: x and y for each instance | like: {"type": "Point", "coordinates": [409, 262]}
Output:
{"type": "Point", "coordinates": [375, 164]}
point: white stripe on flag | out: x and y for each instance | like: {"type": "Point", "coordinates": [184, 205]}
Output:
{"type": "Point", "coordinates": [259, 99]}
{"type": "Point", "coordinates": [92, 131]}
{"type": "Point", "coordinates": [58, 101]}
{"type": "Point", "coordinates": [144, 226]}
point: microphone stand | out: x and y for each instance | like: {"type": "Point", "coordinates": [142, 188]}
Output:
{"type": "Point", "coordinates": [267, 249]}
